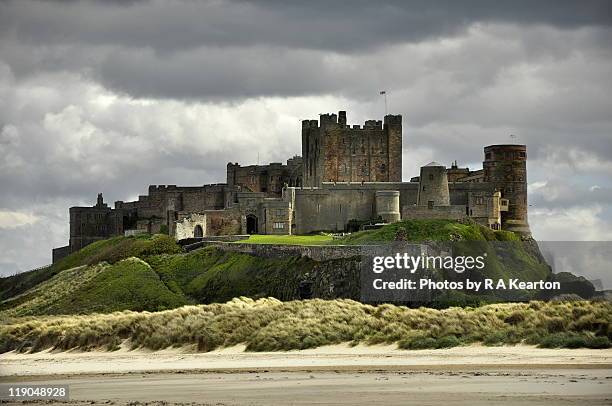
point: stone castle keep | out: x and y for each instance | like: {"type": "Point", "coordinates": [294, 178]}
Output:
{"type": "Point", "coordinates": [345, 173]}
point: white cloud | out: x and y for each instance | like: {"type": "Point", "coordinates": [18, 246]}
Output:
{"type": "Point", "coordinates": [14, 219]}
{"type": "Point", "coordinates": [571, 224]}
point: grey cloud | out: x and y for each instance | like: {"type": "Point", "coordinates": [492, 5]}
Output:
{"type": "Point", "coordinates": [337, 25]}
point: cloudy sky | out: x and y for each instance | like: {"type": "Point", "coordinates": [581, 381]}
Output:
{"type": "Point", "coordinates": [113, 96]}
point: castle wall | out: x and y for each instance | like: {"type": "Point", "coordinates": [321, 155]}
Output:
{"type": "Point", "coordinates": [268, 179]}
{"type": "Point", "coordinates": [91, 224]}
{"type": "Point", "coordinates": [436, 212]}
{"type": "Point", "coordinates": [59, 253]}
{"type": "Point", "coordinates": [331, 206]}
{"type": "Point", "coordinates": [223, 222]}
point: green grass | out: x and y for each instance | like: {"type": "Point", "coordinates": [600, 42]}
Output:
{"type": "Point", "coordinates": [423, 230]}
{"type": "Point", "coordinates": [212, 275]}
{"type": "Point", "coordinates": [271, 325]}
{"type": "Point", "coordinates": [128, 284]}
{"type": "Point", "coordinates": [162, 282]}
{"type": "Point", "coordinates": [111, 250]}
{"type": "Point", "coordinates": [315, 239]}
{"type": "Point", "coordinates": [415, 231]}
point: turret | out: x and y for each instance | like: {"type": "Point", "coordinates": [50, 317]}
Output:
{"type": "Point", "coordinates": [392, 126]}
{"type": "Point", "coordinates": [433, 186]}
{"type": "Point", "coordinates": [505, 166]}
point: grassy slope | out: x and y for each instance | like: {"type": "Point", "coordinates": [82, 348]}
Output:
{"type": "Point", "coordinates": [128, 284]}
{"type": "Point", "coordinates": [210, 275]}
{"type": "Point", "coordinates": [428, 230]}
{"type": "Point", "coordinates": [111, 251]}
{"type": "Point", "coordinates": [507, 255]}
{"type": "Point", "coordinates": [271, 325]}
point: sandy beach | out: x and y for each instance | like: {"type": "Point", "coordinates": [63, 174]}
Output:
{"type": "Point", "coordinates": [334, 375]}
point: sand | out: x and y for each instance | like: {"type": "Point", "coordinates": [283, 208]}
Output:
{"type": "Point", "coordinates": [338, 375]}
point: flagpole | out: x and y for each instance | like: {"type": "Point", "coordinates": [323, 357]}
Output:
{"type": "Point", "coordinates": [384, 93]}
{"type": "Point", "coordinates": [386, 111]}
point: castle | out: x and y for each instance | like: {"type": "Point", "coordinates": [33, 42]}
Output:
{"type": "Point", "coordinates": [346, 173]}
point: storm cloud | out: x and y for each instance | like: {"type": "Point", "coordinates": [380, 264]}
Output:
{"type": "Point", "coordinates": [113, 96]}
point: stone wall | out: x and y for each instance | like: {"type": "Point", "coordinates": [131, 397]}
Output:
{"type": "Point", "coordinates": [315, 252]}
{"type": "Point", "coordinates": [223, 222]}
{"type": "Point", "coordinates": [59, 253]}
{"type": "Point", "coordinates": [186, 228]}
{"type": "Point", "coordinates": [436, 212]}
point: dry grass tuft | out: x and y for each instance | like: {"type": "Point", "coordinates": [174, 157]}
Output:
{"type": "Point", "coordinates": [272, 325]}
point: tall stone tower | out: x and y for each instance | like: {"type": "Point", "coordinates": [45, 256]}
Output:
{"type": "Point", "coordinates": [505, 166]}
{"type": "Point", "coordinates": [333, 151]}
{"type": "Point", "coordinates": [433, 186]}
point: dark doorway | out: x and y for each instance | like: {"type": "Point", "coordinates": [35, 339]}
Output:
{"type": "Point", "coordinates": [251, 224]}
{"type": "Point", "coordinates": [198, 232]}
{"type": "Point", "coordinates": [305, 290]}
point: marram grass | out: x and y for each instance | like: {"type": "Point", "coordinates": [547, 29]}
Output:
{"type": "Point", "coordinates": [272, 325]}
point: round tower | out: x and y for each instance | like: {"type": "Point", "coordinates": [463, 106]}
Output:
{"type": "Point", "coordinates": [388, 205]}
{"type": "Point", "coordinates": [505, 166]}
{"type": "Point", "coordinates": [433, 186]}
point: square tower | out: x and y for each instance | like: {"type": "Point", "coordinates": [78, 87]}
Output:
{"type": "Point", "coordinates": [336, 152]}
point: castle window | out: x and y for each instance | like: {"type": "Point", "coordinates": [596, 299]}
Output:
{"type": "Point", "coordinates": [430, 204]}
{"type": "Point", "coordinates": [431, 176]}
{"type": "Point", "coordinates": [279, 226]}
{"type": "Point", "coordinates": [488, 155]}
{"type": "Point", "coordinates": [522, 154]}
{"type": "Point", "coordinates": [423, 188]}
{"type": "Point", "coordinates": [383, 167]}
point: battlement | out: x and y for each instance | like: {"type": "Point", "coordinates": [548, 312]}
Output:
{"type": "Point", "coordinates": [505, 152]}
{"type": "Point", "coordinates": [339, 120]}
